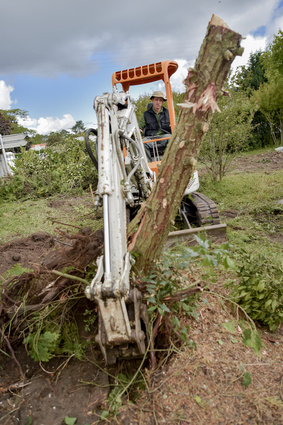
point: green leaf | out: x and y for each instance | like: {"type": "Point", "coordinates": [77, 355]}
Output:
{"type": "Point", "coordinates": [151, 300]}
{"type": "Point", "coordinates": [150, 290]}
{"type": "Point", "coordinates": [29, 422]}
{"type": "Point", "coordinates": [230, 327]}
{"type": "Point", "coordinates": [105, 414]}
{"type": "Point", "coordinates": [260, 286]}
{"type": "Point", "coordinates": [247, 379]}
{"type": "Point", "coordinates": [229, 264]}
{"type": "Point", "coordinates": [152, 308]}
{"type": "Point", "coordinates": [42, 348]}
{"type": "Point", "coordinates": [69, 421]}
{"type": "Point", "coordinates": [199, 401]}
{"type": "Point", "coordinates": [273, 305]}
{"type": "Point", "coordinates": [268, 302]}
{"type": "Point", "coordinates": [252, 339]}
{"type": "Point", "coordinates": [165, 308]}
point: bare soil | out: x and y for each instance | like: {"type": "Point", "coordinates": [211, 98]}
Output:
{"type": "Point", "coordinates": [266, 162]}
{"type": "Point", "coordinates": [199, 383]}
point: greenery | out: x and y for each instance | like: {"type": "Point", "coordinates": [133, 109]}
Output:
{"type": "Point", "coordinates": [5, 125]}
{"type": "Point", "coordinates": [228, 134]}
{"type": "Point", "coordinates": [53, 330]}
{"type": "Point", "coordinates": [269, 95]}
{"type": "Point", "coordinates": [61, 169]}
{"type": "Point", "coordinates": [250, 77]}
{"type": "Point", "coordinates": [44, 347]}
{"type": "Point", "coordinates": [258, 218]}
{"type": "Point", "coordinates": [10, 117]}
{"type": "Point", "coordinates": [253, 197]}
{"type": "Point", "coordinates": [260, 289]}
{"type": "Point", "coordinates": [167, 284]}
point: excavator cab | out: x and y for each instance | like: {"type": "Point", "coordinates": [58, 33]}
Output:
{"type": "Point", "coordinates": [160, 71]}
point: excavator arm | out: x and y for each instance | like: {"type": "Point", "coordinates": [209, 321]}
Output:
{"type": "Point", "coordinates": [124, 180]}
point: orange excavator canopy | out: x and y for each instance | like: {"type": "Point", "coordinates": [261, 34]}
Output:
{"type": "Point", "coordinates": [149, 74]}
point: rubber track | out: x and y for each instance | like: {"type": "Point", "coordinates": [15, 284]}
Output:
{"type": "Point", "coordinates": [206, 209]}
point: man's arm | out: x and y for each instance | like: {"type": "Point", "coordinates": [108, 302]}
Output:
{"type": "Point", "coordinates": [142, 122]}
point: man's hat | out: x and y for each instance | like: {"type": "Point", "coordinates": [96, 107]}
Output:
{"type": "Point", "coordinates": [158, 94]}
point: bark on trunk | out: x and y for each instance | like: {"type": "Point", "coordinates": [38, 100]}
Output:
{"type": "Point", "coordinates": [149, 230]}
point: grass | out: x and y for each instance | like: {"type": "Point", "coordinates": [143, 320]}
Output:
{"type": "Point", "coordinates": [245, 192]}
{"type": "Point", "coordinates": [258, 222]}
{"type": "Point", "coordinates": [22, 218]}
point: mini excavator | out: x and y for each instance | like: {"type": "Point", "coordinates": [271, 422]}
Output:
{"type": "Point", "coordinates": [127, 167]}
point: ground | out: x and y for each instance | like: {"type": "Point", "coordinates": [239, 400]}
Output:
{"type": "Point", "coordinates": [215, 379]}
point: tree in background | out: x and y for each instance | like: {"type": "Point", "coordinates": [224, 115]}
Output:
{"type": "Point", "coordinates": [56, 138]}
{"type": "Point", "coordinates": [228, 134]}
{"type": "Point", "coordinates": [5, 125]}
{"type": "Point", "coordinates": [79, 127]}
{"type": "Point", "coordinates": [249, 79]}
{"type": "Point", "coordinates": [270, 93]}
{"type": "Point", "coordinates": [276, 50]}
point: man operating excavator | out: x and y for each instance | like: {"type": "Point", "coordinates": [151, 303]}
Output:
{"type": "Point", "coordinates": [155, 120]}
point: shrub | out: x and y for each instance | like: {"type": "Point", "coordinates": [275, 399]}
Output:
{"type": "Point", "coordinates": [260, 289]}
{"type": "Point", "coordinates": [59, 169]}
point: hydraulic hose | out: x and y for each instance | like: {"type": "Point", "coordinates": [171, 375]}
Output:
{"type": "Point", "coordinates": [88, 148]}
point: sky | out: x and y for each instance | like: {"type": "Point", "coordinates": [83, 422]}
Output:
{"type": "Point", "coordinates": [58, 55]}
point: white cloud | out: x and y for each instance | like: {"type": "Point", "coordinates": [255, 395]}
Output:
{"type": "Point", "coordinates": [5, 98]}
{"type": "Point", "coordinates": [179, 76]}
{"type": "Point", "coordinates": [174, 30]}
{"type": "Point", "coordinates": [251, 45]}
{"type": "Point", "coordinates": [47, 125]}
{"type": "Point", "coordinates": [277, 24]}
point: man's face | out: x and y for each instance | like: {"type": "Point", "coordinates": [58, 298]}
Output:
{"type": "Point", "coordinates": [157, 103]}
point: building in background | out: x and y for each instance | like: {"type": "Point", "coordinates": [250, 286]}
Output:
{"type": "Point", "coordinates": [7, 156]}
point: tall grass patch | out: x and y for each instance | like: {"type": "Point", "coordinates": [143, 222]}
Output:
{"type": "Point", "coordinates": [245, 192]}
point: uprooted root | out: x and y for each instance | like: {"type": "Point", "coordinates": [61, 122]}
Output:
{"type": "Point", "coordinates": [31, 291]}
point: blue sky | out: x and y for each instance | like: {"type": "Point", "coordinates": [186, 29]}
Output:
{"type": "Point", "coordinates": [59, 54]}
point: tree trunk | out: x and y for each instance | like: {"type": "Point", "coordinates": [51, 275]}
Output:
{"type": "Point", "coordinates": [149, 230]}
